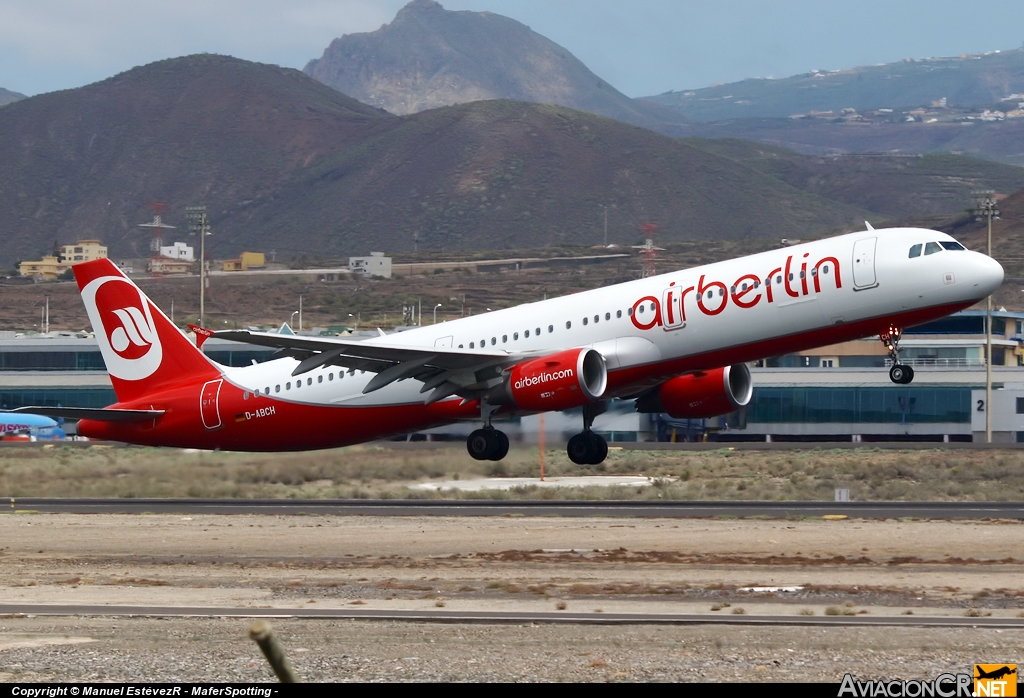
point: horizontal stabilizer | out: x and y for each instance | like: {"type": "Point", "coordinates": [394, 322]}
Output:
{"type": "Point", "coordinates": [95, 413]}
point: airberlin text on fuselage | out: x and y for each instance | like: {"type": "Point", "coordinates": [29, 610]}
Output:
{"type": "Point", "coordinates": [527, 381]}
{"type": "Point", "coordinates": [712, 297]}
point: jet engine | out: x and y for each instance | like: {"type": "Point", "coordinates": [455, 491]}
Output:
{"type": "Point", "coordinates": [701, 395]}
{"type": "Point", "coordinates": [557, 382]}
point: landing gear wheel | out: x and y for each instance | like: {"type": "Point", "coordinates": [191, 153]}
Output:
{"type": "Point", "coordinates": [487, 444]}
{"type": "Point", "coordinates": [587, 448]}
{"type": "Point", "coordinates": [500, 449]}
{"type": "Point", "coordinates": [478, 444]}
{"type": "Point", "coordinates": [901, 374]}
{"type": "Point", "coordinates": [578, 449]}
{"type": "Point", "coordinates": [598, 449]}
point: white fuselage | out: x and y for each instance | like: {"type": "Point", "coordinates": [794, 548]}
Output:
{"type": "Point", "coordinates": [738, 310]}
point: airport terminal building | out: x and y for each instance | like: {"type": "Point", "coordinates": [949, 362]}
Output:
{"type": "Point", "coordinates": [841, 392]}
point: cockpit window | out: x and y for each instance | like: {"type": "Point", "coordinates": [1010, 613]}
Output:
{"type": "Point", "coordinates": [932, 248]}
{"type": "Point", "coordinates": [915, 251]}
{"type": "Point", "coordinates": [952, 245]}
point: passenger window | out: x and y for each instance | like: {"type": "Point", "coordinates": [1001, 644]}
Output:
{"type": "Point", "coordinates": [320, 378]}
{"type": "Point", "coordinates": [597, 318]}
{"type": "Point", "coordinates": [932, 248]}
{"type": "Point", "coordinates": [778, 279]}
{"type": "Point", "coordinates": [607, 316]}
{"type": "Point", "coordinates": [568, 324]}
{"type": "Point", "coordinates": [471, 345]}
{"type": "Point", "coordinates": [915, 251]}
{"type": "Point", "coordinates": [824, 269]}
{"type": "Point", "coordinates": [494, 341]}
{"type": "Point", "coordinates": [460, 346]}
{"type": "Point", "coordinates": [526, 335]}
{"type": "Point", "coordinates": [504, 338]}
{"type": "Point", "coordinates": [288, 385]}
{"type": "Point", "coordinates": [277, 388]}
{"type": "Point", "coordinates": [584, 321]}
{"type": "Point", "coordinates": [515, 336]}
{"type": "Point", "coordinates": [267, 389]}
{"type": "Point", "coordinates": [537, 332]}
{"type": "Point", "coordinates": [551, 328]}
{"type": "Point", "coordinates": [618, 313]}
{"type": "Point", "coordinates": [245, 395]}
{"type": "Point", "coordinates": [330, 376]}
{"type": "Point", "coordinates": [309, 381]}
{"type": "Point", "coordinates": [629, 312]}
{"type": "Point", "coordinates": [955, 246]}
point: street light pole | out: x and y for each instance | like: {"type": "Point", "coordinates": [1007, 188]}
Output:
{"type": "Point", "coordinates": [985, 205]}
{"type": "Point", "coordinates": [435, 312]}
{"type": "Point", "coordinates": [199, 225]}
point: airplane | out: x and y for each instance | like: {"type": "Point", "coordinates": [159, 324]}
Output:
{"type": "Point", "coordinates": [34, 425]}
{"type": "Point", "coordinates": [677, 343]}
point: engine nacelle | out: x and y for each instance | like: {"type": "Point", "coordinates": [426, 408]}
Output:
{"type": "Point", "coordinates": [558, 382]}
{"type": "Point", "coordinates": [701, 395]}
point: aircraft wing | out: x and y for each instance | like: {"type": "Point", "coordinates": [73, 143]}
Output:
{"type": "Point", "coordinates": [443, 370]}
{"type": "Point", "coordinates": [99, 414]}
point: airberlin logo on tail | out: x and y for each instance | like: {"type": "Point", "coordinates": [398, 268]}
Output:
{"type": "Point", "coordinates": [123, 322]}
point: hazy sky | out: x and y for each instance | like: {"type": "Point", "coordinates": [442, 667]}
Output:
{"type": "Point", "coordinates": [642, 47]}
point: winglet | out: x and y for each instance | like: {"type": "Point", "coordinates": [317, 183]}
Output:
{"type": "Point", "coordinates": [202, 334]}
{"type": "Point", "coordinates": [382, 332]}
{"type": "Point", "coordinates": [870, 227]}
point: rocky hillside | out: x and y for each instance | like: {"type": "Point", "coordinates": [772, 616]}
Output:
{"type": "Point", "coordinates": [429, 57]}
{"type": "Point", "coordinates": [962, 81]}
{"type": "Point", "coordinates": [286, 163]}
{"type": "Point", "coordinates": [6, 96]}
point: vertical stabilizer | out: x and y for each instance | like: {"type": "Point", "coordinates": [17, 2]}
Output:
{"type": "Point", "coordinates": [144, 352]}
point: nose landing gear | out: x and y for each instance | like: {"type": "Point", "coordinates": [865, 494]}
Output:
{"type": "Point", "coordinates": [898, 373]}
{"type": "Point", "coordinates": [588, 448]}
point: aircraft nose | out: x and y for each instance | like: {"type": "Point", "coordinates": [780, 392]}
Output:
{"type": "Point", "coordinates": [989, 274]}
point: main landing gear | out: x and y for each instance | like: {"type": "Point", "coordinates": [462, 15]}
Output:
{"type": "Point", "coordinates": [898, 373]}
{"type": "Point", "coordinates": [588, 448]}
{"type": "Point", "coordinates": [487, 444]}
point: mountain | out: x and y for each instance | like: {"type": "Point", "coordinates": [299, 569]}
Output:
{"type": "Point", "coordinates": [84, 163]}
{"type": "Point", "coordinates": [284, 162]}
{"type": "Point", "coordinates": [893, 186]}
{"type": "Point", "coordinates": [429, 57]}
{"type": "Point", "coordinates": [961, 81]}
{"type": "Point", "coordinates": [6, 96]}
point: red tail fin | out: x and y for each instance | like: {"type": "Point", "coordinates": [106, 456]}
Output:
{"type": "Point", "coordinates": [144, 352]}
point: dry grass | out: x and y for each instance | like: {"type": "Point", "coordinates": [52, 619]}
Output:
{"type": "Point", "coordinates": [385, 472]}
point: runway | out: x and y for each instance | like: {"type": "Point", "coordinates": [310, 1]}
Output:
{"type": "Point", "coordinates": [627, 509]}
{"type": "Point", "coordinates": [504, 617]}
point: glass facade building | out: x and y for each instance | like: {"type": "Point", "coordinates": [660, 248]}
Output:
{"type": "Point", "coordinates": [818, 405]}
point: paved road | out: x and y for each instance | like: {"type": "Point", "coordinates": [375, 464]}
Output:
{"type": "Point", "coordinates": [496, 617]}
{"type": "Point", "coordinates": [674, 509]}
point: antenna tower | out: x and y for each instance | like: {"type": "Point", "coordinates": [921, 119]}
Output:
{"type": "Point", "coordinates": [650, 252]}
{"type": "Point", "coordinates": [157, 224]}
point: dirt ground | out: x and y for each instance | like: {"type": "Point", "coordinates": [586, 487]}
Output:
{"type": "Point", "coordinates": [595, 565]}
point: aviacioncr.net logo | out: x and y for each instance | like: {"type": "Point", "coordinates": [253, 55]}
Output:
{"type": "Point", "coordinates": [122, 319]}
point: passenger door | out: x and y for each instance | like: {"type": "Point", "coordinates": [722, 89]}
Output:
{"type": "Point", "coordinates": [209, 404]}
{"type": "Point", "coordinates": [864, 264]}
